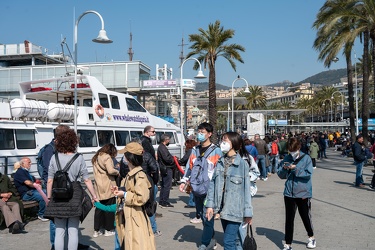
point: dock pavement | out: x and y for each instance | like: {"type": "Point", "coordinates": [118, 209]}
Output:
{"type": "Point", "coordinates": [343, 216]}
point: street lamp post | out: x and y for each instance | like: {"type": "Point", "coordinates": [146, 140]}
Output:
{"type": "Point", "coordinates": [199, 75]}
{"type": "Point", "coordinates": [342, 103]}
{"type": "Point", "coordinates": [228, 121]}
{"type": "Point", "coordinates": [102, 38]}
{"type": "Point", "coordinates": [246, 91]}
{"type": "Point", "coordinates": [331, 106]}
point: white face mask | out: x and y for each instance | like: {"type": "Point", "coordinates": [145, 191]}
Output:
{"type": "Point", "coordinates": [152, 137]}
{"type": "Point", "coordinates": [294, 154]}
{"type": "Point", "coordinates": [225, 147]}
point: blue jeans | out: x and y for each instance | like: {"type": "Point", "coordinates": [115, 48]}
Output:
{"type": "Point", "coordinates": [52, 232]}
{"type": "Point", "coordinates": [358, 173]}
{"type": "Point", "coordinates": [33, 195]}
{"type": "Point", "coordinates": [261, 161]}
{"type": "Point", "coordinates": [208, 225]}
{"type": "Point", "coordinates": [191, 200]}
{"type": "Point", "coordinates": [154, 226]}
{"type": "Point", "coordinates": [231, 234]}
{"type": "Point", "coordinates": [117, 243]}
{"type": "Point", "coordinates": [274, 160]}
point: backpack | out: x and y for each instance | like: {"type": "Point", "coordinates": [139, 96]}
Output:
{"type": "Point", "coordinates": [274, 149]}
{"type": "Point", "coordinates": [62, 188]}
{"type": "Point", "coordinates": [150, 206]}
{"type": "Point", "coordinates": [199, 179]}
{"type": "Point", "coordinates": [39, 159]}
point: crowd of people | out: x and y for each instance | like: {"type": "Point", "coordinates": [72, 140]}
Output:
{"type": "Point", "coordinates": [219, 178]}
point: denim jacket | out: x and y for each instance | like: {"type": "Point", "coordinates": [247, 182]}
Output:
{"type": "Point", "coordinates": [237, 198]}
{"type": "Point", "coordinates": [298, 181]}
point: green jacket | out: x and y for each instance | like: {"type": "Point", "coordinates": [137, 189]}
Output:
{"type": "Point", "coordinates": [313, 150]}
{"type": "Point", "coordinates": [6, 186]}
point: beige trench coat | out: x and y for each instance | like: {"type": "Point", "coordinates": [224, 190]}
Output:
{"type": "Point", "coordinates": [105, 176]}
{"type": "Point", "coordinates": [136, 232]}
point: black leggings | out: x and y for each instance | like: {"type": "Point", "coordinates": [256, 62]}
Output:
{"type": "Point", "coordinates": [104, 219]}
{"type": "Point", "coordinates": [304, 209]}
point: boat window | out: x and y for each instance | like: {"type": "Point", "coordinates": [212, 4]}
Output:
{"type": "Point", "coordinates": [122, 138]}
{"type": "Point", "coordinates": [105, 137]}
{"type": "Point", "coordinates": [135, 134]}
{"type": "Point", "coordinates": [25, 138]}
{"type": "Point", "coordinates": [158, 135]}
{"type": "Point", "coordinates": [104, 100]}
{"type": "Point", "coordinates": [6, 139]}
{"type": "Point", "coordinates": [87, 102]}
{"type": "Point", "coordinates": [133, 105]}
{"type": "Point", "coordinates": [114, 102]}
{"type": "Point", "coordinates": [87, 138]}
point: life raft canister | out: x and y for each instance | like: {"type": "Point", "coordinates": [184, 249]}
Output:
{"type": "Point", "coordinates": [99, 110]}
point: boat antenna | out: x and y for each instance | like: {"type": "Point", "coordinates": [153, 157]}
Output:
{"type": "Point", "coordinates": [182, 50]}
{"type": "Point", "coordinates": [63, 42]}
{"type": "Point", "coordinates": [130, 51]}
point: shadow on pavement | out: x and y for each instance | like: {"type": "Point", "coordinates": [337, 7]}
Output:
{"type": "Point", "coordinates": [275, 236]}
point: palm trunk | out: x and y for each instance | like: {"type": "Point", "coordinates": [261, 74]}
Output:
{"type": "Point", "coordinates": [212, 113]}
{"type": "Point", "coordinates": [365, 87]}
{"type": "Point", "coordinates": [349, 72]}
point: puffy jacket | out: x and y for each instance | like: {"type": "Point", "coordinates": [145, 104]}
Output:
{"type": "Point", "coordinates": [359, 153]}
{"type": "Point", "coordinates": [314, 149]}
{"type": "Point", "coordinates": [298, 181]}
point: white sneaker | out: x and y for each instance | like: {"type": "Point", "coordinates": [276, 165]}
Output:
{"type": "Point", "coordinates": [42, 218]}
{"type": "Point", "coordinates": [265, 179]}
{"type": "Point", "coordinates": [311, 243]}
{"type": "Point", "coordinates": [287, 247]}
{"type": "Point", "coordinates": [196, 220]}
{"type": "Point", "coordinates": [109, 233]}
{"type": "Point", "coordinates": [97, 233]}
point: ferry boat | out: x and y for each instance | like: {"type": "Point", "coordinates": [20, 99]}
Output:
{"type": "Point", "coordinates": [103, 116]}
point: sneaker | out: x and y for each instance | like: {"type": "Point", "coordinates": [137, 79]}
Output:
{"type": "Point", "coordinates": [165, 205]}
{"type": "Point", "coordinates": [157, 233]}
{"type": "Point", "coordinates": [109, 233]}
{"type": "Point", "coordinates": [196, 220]}
{"type": "Point", "coordinates": [287, 247]}
{"type": "Point", "coordinates": [265, 179]}
{"type": "Point", "coordinates": [212, 245]}
{"type": "Point", "coordinates": [202, 247]}
{"type": "Point", "coordinates": [97, 233]}
{"type": "Point", "coordinates": [372, 187]}
{"type": "Point", "coordinates": [314, 167]}
{"type": "Point", "coordinates": [312, 243]}
{"type": "Point", "coordinates": [42, 218]}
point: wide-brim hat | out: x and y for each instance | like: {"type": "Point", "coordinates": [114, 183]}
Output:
{"type": "Point", "coordinates": [132, 147]}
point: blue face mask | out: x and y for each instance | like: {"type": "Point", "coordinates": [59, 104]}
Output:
{"type": "Point", "coordinates": [201, 137]}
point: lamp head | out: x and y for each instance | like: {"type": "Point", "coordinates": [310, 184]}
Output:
{"type": "Point", "coordinates": [247, 90]}
{"type": "Point", "coordinates": [102, 37]}
{"type": "Point", "coordinates": [335, 59]}
{"type": "Point", "coordinates": [200, 75]}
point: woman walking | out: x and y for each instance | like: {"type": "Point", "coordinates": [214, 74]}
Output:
{"type": "Point", "coordinates": [229, 191]}
{"type": "Point", "coordinates": [105, 177]}
{"type": "Point", "coordinates": [297, 169]}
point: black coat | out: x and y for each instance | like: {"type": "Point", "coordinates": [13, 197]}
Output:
{"type": "Point", "coordinates": [164, 157]}
{"type": "Point", "coordinates": [147, 145]}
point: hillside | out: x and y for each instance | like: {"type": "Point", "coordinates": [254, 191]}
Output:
{"type": "Point", "coordinates": [324, 78]}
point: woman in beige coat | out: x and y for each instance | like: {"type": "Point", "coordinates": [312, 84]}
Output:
{"type": "Point", "coordinates": [136, 233]}
{"type": "Point", "coordinates": [105, 177]}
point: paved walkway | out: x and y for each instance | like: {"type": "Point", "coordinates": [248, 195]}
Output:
{"type": "Point", "coordinates": [343, 216]}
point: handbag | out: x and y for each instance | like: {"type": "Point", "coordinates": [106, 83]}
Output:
{"type": "Point", "coordinates": [249, 242]}
{"type": "Point", "coordinates": [86, 205]}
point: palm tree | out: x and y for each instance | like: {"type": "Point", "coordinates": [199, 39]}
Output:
{"type": "Point", "coordinates": [208, 45]}
{"type": "Point", "coordinates": [335, 32]}
{"type": "Point", "coordinates": [256, 99]}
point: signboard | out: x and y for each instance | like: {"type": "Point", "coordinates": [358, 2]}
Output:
{"type": "Point", "coordinates": [277, 122]}
{"type": "Point", "coordinates": [159, 83]}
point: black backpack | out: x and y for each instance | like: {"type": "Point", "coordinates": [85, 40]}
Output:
{"type": "Point", "coordinates": [150, 206]}
{"type": "Point", "coordinates": [62, 188]}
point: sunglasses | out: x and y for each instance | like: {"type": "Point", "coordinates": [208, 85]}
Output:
{"type": "Point", "coordinates": [152, 131]}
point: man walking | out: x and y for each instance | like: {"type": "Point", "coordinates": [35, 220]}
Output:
{"type": "Point", "coordinates": [262, 148]}
{"type": "Point", "coordinates": [359, 156]}
{"type": "Point", "coordinates": [211, 153]}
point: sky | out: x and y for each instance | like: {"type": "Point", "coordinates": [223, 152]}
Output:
{"type": "Point", "coordinates": [277, 35]}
